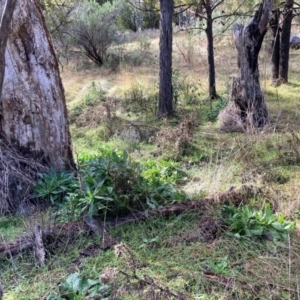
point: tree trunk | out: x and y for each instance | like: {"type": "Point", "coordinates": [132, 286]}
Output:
{"type": "Point", "coordinates": [275, 51]}
{"type": "Point", "coordinates": [246, 90]}
{"type": "Point", "coordinates": [7, 14]}
{"type": "Point", "coordinates": [210, 52]}
{"type": "Point", "coordinates": [165, 101]}
{"type": "Point", "coordinates": [285, 40]}
{"type": "Point", "coordinates": [33, 114]}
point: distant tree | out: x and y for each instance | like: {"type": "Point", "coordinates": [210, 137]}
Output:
{"type": "Point", "coordinates": [211, 11]}
{"type": "Point", "coordinates": [140, 14]}
{"type": "Point", "coordinates": [246, 90]}
{"type": "Point", "coordinates": [281, 23]}
{"type": "Point", "coordinates": [33, 111]}
{"type": "Point", "coordinates": [94, 29]}
{"type": "Point", "coordinates": [165, 98]}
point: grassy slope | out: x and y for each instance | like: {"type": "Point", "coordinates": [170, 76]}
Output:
{"type": "Point", "coordinates": [216, 161]}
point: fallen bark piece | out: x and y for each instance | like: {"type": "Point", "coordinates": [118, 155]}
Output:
{"type": "Point", "coordinates": [38, 244]}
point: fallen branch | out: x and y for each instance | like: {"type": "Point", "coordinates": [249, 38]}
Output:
{"type": "Point", "coordinates": [72, 229]}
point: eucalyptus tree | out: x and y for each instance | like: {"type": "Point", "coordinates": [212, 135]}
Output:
{"type": "Point", "coordinates": [246, 90]}
{"type": "Point", "coordinates": [33, 111]}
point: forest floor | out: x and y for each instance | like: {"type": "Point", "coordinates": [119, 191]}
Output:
{"type": "Point", "coordinates": [164, 258]}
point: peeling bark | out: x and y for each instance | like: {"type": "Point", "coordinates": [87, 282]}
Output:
{"type": "Point", "coordinates": [33, 114]}
{"type": "Point", "coordinates": [246, 90]}
{"type": "Point", "coordinates": [6, 17]}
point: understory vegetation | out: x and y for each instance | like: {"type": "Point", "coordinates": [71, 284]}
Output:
{"type": "Point", "coordinates": [243, 238]}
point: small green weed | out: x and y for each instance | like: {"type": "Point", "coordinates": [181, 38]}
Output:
{"type": "Point", "coordinates": [219, 266]}
{"type": "Point", "coordinates": [247, 222]}
{"type": "Point", "coordinates": [215, 109]}
{"type": "Point", "coordinates": [166, 171]}
{"type": "Point", "coordinates": [94, 95]}
{"type": "Point", "coordinates": [55, 185]}
{"type": "Point", "coordinates": [77, 287]}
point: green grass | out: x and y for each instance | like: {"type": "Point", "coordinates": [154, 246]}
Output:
{"type": "Point", "coordinates": [193, 268]}
{"type": "Point", "coordinates": [225, 268]}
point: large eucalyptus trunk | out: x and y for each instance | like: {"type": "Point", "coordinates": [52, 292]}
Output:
{"type": "Point", "coordinates": [246, 90]}
{"type": "Point", "coordinates": [165, 98]}
{"type": "Point", "coordinates": [33, 114]}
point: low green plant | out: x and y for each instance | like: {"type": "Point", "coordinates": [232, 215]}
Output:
{"type": "Point", "coordinates": [248, 223]}
{"type": "Point", "coordinates": [54, 186]}
{"type": "Point", "coordinates": [108, 183]}
{"type": "Point", "coordinates": [215, 109]}
{"type": "Point", "coordinates": [141, 100]}
{"type": "Point", "coordinates": [166, 171]}
{"type": "Point", "coordinates": [75, 112]}
{"type": "Point", "coordinates": [77, 287]}
{"type": "Point", "coordinates": [185, 90]}
{"type": "Point", "coordinates": [94, 95]}
{"type": "Point", "coordinates": [219, 266]}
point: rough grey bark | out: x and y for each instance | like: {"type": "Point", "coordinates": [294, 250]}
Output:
{"type": "Point", "coordinates": [33, 116]}
{"type": "Point", "coordinates": [165, 98]}
{"type": "Point", "coordinates": [285, 40]}
{"type": "Point", "coordinates": [246, 90]}
{"type": "Point", "coordinates": [6, 17]}
{"type": "Point", "coordinates": [34, 132]}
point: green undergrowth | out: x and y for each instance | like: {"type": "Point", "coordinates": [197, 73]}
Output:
{"type": "Point", "coordinates": [110, 183]}
{"type": "Point", "coordinates": [158, 252]}
{"type": "Point", "coordinates": [254, 251]}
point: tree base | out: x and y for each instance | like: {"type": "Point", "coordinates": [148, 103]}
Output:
{"type": "Point", "coordinates": [18, 174]}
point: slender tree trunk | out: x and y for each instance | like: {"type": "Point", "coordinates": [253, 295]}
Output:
{"type": "Point", "coordinates": [165, 101]}
{"type": "Point", "coordinates": [246, 90]}
{"type": "Point", "coordinates": [275, 51]}
{"type": "Point", "coordinates": [285, 40]}
{"type": "Point", "coordinates": [210, 52]}
{"type": "Point", "coordinates": [33, 116]}
{"type": "Point", "coordinates": [6, 17]}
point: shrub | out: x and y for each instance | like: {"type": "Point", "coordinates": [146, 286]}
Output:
{"type": "Point", "coordinates": [110, 184]}
{"type": "Point", "coordinates": [94, 29]}
{"type": "Point", "coordinates": [141, 100]}
{"type": "Point", "coordinates": [55, 185]}
{"type": "Point", "coordinates": [177, 139]}
{"type": "Point", "coordinates": [248, 223]}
